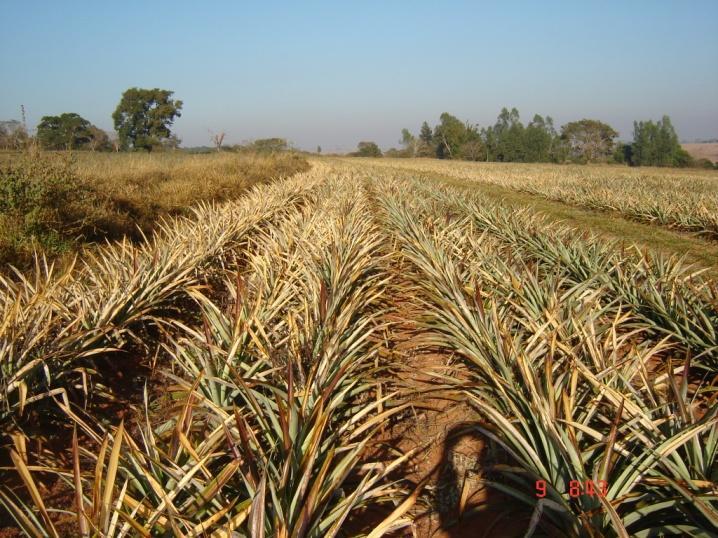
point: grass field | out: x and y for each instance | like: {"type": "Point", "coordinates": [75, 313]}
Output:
{"type": "Point", "coordinates": [57, 202]}
{"type": "Point", "coordinates": [375, 347]}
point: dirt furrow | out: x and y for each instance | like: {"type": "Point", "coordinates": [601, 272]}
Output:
{"type": "Point", "coordinates": [451, 457]}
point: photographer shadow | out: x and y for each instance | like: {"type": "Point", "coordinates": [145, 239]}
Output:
{"type": "Point", "coordinates": [467, 506]}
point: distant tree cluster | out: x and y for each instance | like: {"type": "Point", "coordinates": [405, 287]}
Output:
{"type": "Point", "coordinates": [656, 144]}
{"type": "Point", "coordinates": [71, 131]}
{"type": "Point", "coordinates": [142, 121]}
{"type": "Point", "coordinates": [269, 145]}
{"type": "Point", "coordinates": [509, 140]}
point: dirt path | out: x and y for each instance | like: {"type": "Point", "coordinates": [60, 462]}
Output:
{"type": "Point", "coordinates": [451, 456]}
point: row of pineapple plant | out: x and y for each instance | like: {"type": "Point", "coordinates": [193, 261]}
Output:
{"type": "Point", "coordinates": [587, 363]}
{"type": "Point", "coordinates": [50, 319]}
{"type": "Point", "coordinates": [273, 400]}
{"type": "Point", "coordinates": [563, 378]}
{"type": "Point", "coordinates": [669, 296]}
{"type": "Point", "coordinates": [679, 199]}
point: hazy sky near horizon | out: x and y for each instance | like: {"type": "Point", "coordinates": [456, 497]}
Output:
{"type": "Point", "coordinates": [333, 73]}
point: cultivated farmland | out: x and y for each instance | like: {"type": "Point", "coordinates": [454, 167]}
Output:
{"type": "Point", "coordinates": [680, 199]}
{"type": "Point", "coordinates": [360, 350]}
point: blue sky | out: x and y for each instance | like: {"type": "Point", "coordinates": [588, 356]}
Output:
{"type": "Point", "coordinates": [334, 73]}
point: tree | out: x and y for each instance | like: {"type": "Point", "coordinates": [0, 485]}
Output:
{"type": "Point", "coordinates": [472, 149]}
{"type": "Point", "coordinates": [588, 140]}
{"type": "Point", "coordinates": [8, 130]}
{"type": "Point", "coordinates": [319, 149]}
{"type": "Point", "coordinates": [508, 137]}
{"type": "Point", "coordinates": [449, 136]}
{"type": "Point", "coordinates": [66, 131]}
{"type": "Point", "coordinates": [217, 140]}
{"type": "Point", "coordinates": [143, 117]}
{"type": "Point", "coordinates": [489, 139]}
{"type": "Point", "coordinates": [13, 135]}
{"type": "Point", "coordinates": [367, 149]}
{"type": "Point", "coordinates": [539, 140]}
{"type": "Point", "coordinates": [425, 147]}
{"type": "Point", "coordinates": [99, 139]}
{"type": "Point", "coordinates": [623, 153]}
{"type": "Point", "coordinates": [409, 142]}
{"type": "Point", "coordinates": [4, 137]}
{"type": "Point", "coordinates": [656, 144]}
{"type": "Point", "coordinates": [115, 142]}
{"type": "Point", "coordinates": [394, 153]}
{"type": "Point", "coordinates": [172, 142]}
{"type": "Point", "coordinates": [472, 146]}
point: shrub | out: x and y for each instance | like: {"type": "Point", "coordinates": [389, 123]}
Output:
{"type": "Point", "coordinates": [40, 205]}
{"type": "Point", "coordinates": [704, 163]}
{"type": "Point", "coordinates": [367, 149]}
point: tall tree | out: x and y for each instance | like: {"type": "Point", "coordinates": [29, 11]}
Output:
{"type": "Point", "coordinates": [409, 142]}
{"type": "Point", "coordinates": [508, 134]}
{"type": "Point", "coordinates": [217, 140]}
{"type": "Point", "coordinates": [539, 139]}
{"type": "Point", "coordinates": [143, 117]}
{"type": "Point", "coordinates": [449, 136]}
{"type": "Point", "coordinates": [588, 140]}
{"type": "Point", "coordinates": [425, 147]}
{"type": "Point", "coordinates": [66, 131]}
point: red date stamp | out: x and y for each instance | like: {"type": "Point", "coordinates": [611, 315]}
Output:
{"type": "Point", "coordinates": [576, 488]}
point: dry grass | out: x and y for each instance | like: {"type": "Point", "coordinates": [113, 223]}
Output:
{"type": "Point", "coordinates": [171, 182]}
{"type": "Point", "coordinates": [125, 194]}
{"type": "Point", "coordinates": [703, 151]}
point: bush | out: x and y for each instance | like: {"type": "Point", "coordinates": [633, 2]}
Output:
{"type": "Point", "coordinates": [40, 206]}
{"type": "Point", "coordinates": [705, 163]}
{"type": "Point", "coordinates": [681, 158]}
{"type": "Point", "coordinates": [367, 149]}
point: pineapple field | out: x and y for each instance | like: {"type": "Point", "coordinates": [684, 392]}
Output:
{"type": "Point", "coordinates": [359, 350]}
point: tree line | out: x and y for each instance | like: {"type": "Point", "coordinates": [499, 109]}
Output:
{"type": "Point", "coordinates": [142, 121]}
{"type": "Point", "coordinates": [509, 140]}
